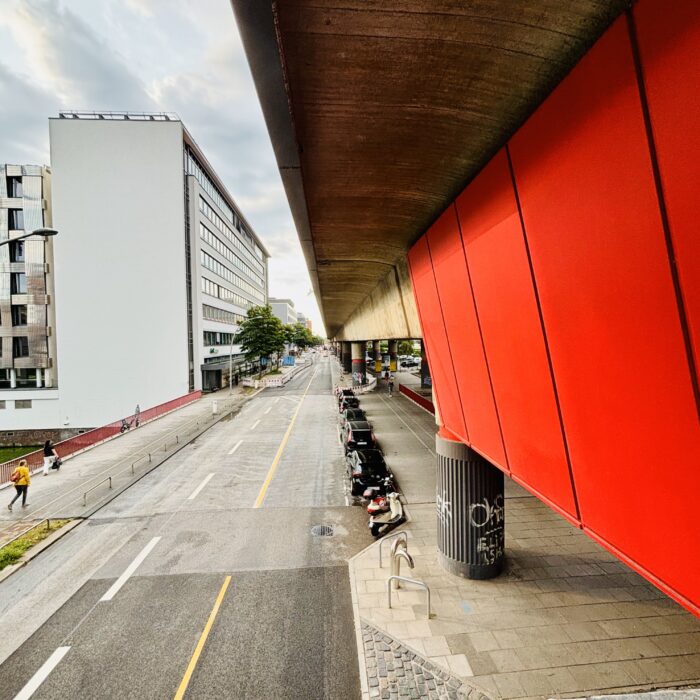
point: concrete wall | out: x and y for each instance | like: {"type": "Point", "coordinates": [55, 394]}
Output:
{"type": "Point", "coordinates": [120, 269]}
{"type": "Point", "coordinates": [388, 312]}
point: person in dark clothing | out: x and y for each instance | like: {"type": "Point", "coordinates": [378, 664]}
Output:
{"type": "Point", "coordinates": [50, 456]}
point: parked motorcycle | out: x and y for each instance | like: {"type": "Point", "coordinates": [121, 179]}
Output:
{"type": "Point", "coordinates": [382, 523]}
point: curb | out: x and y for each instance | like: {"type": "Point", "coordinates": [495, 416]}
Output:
{"type": "Point", "coordinates": [37, 549]}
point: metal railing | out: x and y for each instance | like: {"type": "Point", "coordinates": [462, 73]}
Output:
{"type": "Point", "coordinates": [92, 488]}
{"type": "Point", "coordinates": [396, 536]}
{"type": "Point", "coordinates": [417, 398]}
{"type": "Point", "coordinates": [90, 438]}
{"type": "Point", "coordinates": [396, 563]}
{"type": "Point", "coordinates": [415, 582]}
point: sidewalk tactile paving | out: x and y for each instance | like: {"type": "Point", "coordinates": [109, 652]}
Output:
{"type": "Point", "coordinates": [394, 671]}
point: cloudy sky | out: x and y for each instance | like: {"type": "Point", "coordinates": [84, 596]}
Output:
{"type": "Point", "coordinates": [150, 55]}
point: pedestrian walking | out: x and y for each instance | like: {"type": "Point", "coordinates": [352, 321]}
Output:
{"type": "Point", "coordinates": [137, 416]}
{"type": "Point", "coordinates": [50, 456]}
{"type": "Point", "coordinates": [20, 477]}
{"type": "Point", "coordinates": [391, 387]}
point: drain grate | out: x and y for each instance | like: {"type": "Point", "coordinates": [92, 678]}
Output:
{"type": "Point", "coordinates": [322, 531]}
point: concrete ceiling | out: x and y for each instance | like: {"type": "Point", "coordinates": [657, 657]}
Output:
{"type": "Point", "coordinates": [381, 112]}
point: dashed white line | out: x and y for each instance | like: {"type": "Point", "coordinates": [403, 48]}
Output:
{"type": "Point", "coordinates": [41, 675]}
{"type": "Point", "coordinates": [267, 410]}
{"type": "Point", "coordinates": [235, 447]}
{"type": "Point", "coordinates": [114, 589]}
{"type": "Point", "coordinates": [194, 493]}
{"type": "Point", "coordinates": [276, 400]}
{"type": "Point", "coordinates": [255, 425]}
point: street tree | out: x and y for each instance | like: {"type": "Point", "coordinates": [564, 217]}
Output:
{"type": "Point", "coordinates": [261, 335]}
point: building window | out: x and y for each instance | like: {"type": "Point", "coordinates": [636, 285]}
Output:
{"type": "Point", "coordinates": [212, 338]}
{"type": "Point", "coordinates": [23, 403]}
{"type": "Point", "coordinates": [18, 283]}
{"type": "Point", "coordinates": [26, 377]}
{"type": "Point", "coordinates": [14, 186]}
{"type": "Point", "coordinates": [16, 219]}
{"type": "Point", "coordinates": [2, 405]}
{"type": "Point", "coordinates": [19, 315]}
{"type": "Point", "coordinates": [20, 346]}
{"type": "Point", "coordinates": [4, 378]}
{"type": "Point", "coordinates": [17, 251]}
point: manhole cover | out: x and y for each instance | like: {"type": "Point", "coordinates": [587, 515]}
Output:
{"type": "Point", "coordinates": [322, 531]}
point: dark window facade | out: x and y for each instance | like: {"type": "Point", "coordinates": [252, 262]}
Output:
{"type": "Point", "coordinates": [16, 219]}
{"type": "Point", "coordinates": [17, 251]}
{"type": "Point", "coordinates": [20, 346]}
{"type": "Point", "coordinates": [19, 315]}
{"type": "Point", "coordinates": [18, 283]}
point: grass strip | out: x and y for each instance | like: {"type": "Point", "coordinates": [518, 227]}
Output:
{"type": "Point", "coordinates": [8, 453]}
{"type": "Point", "coordinates": [10, 553]}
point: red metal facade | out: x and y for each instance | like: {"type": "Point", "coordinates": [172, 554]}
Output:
{"type": "Point", "coordinates": [559, 298]}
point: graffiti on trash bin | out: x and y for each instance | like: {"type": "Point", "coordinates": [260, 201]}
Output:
{"type": "Point", "coordinates": [488, 516]}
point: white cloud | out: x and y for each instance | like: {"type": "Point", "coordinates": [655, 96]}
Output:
{"type": "Point", "coordinates": [142, 55]}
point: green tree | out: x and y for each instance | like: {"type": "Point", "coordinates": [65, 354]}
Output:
{"type": "Point", "coordinates": [261, 335]}
{"type": "Point", "coordinates": [298, 334]}
{"type": "Point", "coordinates": [406, 348]}
{"type": "Point", "coordinates": [317, 340]}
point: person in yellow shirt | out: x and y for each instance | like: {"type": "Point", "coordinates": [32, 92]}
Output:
{"type": "Point", "coordinates": [21, 478]}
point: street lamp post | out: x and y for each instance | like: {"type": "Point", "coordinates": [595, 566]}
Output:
{"type": "Point", "coordinates": [46, 232]}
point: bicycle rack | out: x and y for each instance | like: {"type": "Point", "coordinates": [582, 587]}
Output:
{"type": "Point", "coordinates": [398, 536]}
{"type": "Point", "coordinates": [398, 555]}
{"type": "Point", "coordinates": [405, 579]}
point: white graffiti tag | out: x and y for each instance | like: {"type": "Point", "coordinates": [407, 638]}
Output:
{"type": "Point", "coordinates": [444, 509]}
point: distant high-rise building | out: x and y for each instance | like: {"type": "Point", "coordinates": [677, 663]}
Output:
{"type": "Point", "coordinates": [283, 309]}
{"type": "Point", "coordinates": [304, 320]}
{"type": "Point", "coordinates": [27, 313]}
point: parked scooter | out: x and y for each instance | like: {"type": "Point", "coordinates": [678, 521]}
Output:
{"type": "Point", "coordinates": [377, 495]}
{"type": "Point", "coordinates": [382, 523]}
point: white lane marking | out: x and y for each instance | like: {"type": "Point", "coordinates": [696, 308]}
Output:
{"type": "Point", "coordinates": [255, 425]}
{"type": "Point", "coordinates": [268, 410]}
{"type": "Point", "coordinates": [130, 570]}
{"type": "Point", "coordinates": [235, 447]}
{"type": "Point", "coordinates": [40, 676]}
{"type": "Point", "coordinates": [276, 400]}
{"type": "Point", "coordinates": [194, 493]}
{"type": "Point", "coordinates": [427, 447]}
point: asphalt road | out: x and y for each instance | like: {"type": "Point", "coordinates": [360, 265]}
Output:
{"type": "Point", "coordinates": [232, 596]}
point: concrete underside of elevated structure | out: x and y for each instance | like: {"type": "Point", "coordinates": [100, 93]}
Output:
{"type": "Point", "coordinates": [380, 113]}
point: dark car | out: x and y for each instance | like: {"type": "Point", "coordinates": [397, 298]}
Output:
{"type": "Point", "coordinates": [348, 402]}
{"type": "Point", "coordinates": [366, 468]}
{"type": "Point", "coordinates": [351, 414]}
{"type": "Point", "coordinates": [339, 392]}
{"type": "Point", "coordinates": [358, 435]}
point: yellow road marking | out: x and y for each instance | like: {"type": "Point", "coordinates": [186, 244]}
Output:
{"type": "Point", "coordinates": [273, 467]}
{"type": "Point", "coordinates": [202, 641]}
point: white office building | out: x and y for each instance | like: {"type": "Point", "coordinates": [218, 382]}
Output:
{"type": "Point", "coordinates": [155, 266]}
{"type": "Point", "coordinates": [284, 310]}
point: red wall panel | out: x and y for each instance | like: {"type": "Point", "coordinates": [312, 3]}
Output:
{"type": "Point", "coordinates": [435, 338]}
{"type": "Point", "coordinates": [464, 336]}
{"type": "Point", "coordinates": [669, 45]}
{"type": "Point", "coordinates": [505, 299]}
{"type": "Point", "coordinates": [583, 173]}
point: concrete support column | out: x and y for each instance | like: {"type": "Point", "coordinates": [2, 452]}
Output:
{"type": "Point", "coordinates": [13, 378]}
{"type": "Point", "coordinates": [38, 378]}
{"type": "Point", "coordinates": [377, 357]}
{"type": "Point", "coordinates": [426, 380]}
{"type": "Point", "coordinates": [393, 352]}
{"type": "Point", "coordinates": [359, 373]}
{"type": "Point", "coordinates": [471, 512]}
{"type": "Point", "coordinates": [347, 357]}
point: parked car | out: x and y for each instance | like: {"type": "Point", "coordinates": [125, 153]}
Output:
{"type": "Point", "coordinates": [358, 435]}
{"type": "Point", "coordinates": [348, 402]}
{"type": "Point", "coordinates": [366, 468]}
{"type": "Point", "coordinates": [351, 414]}
{"type": "Point", "coordinates": [340, 391]}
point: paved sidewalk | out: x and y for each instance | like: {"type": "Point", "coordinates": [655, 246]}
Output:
{"type": "Point", "coordinates": [61, 493]}
{"type": "Point", "coordinates": [566, 618]}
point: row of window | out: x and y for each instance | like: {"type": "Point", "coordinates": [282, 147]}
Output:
{"type": "Point", "coordinates": [192, 167]}
{"type": "Point", "coordinates": [222, 226]}
{"type": "Point", "coordinates": [207, 236]}
{"type": "Point", "coordinates": [23, 378]}
{"type": "Point", "coordinates": [220, 269]}
{"type": "Point", "coordinates": [211, 313]}
{"type": "Point", "coordinates": [212, 338]}
{"type": "Point", "coordinates": [216, 290]}
{"type": "Point", "coordinates": [19, 403]}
